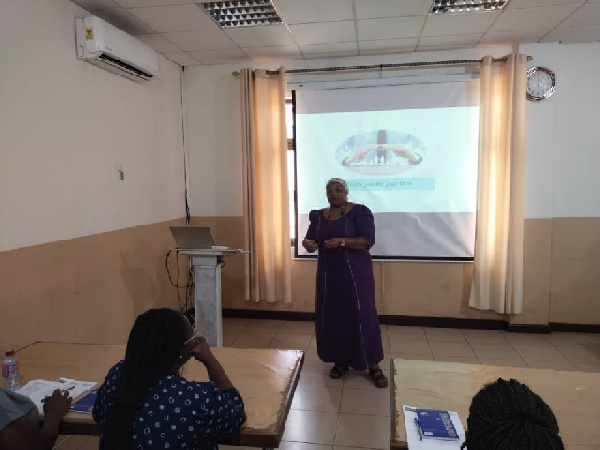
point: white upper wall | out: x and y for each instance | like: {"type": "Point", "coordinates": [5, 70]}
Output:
{"type": "Point", "coordinates": [67, 126]}
{"type": "Point", "coordinates": [563, 136]}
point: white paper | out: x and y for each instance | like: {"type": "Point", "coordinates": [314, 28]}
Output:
{"type": "Point", "coordinates": [412, 433]}
{"type": "Point", "coordinates": [37, 390]}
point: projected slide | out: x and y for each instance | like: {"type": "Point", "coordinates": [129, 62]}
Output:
{"type": "Point", "coordinates": [407, 152]}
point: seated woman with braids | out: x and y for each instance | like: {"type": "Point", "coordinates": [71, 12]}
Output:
{"type": "Point", "coordinates": [508, 415]}
{"type": "Point", "coordinates": [145, 403]}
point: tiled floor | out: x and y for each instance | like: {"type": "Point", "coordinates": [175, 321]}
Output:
{"type": "Point", "coordinates": [352, 413]}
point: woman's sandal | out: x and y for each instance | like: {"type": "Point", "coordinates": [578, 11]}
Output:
{"type": "Point", "coordinates": [379, 379]}
{"type": "Point", "coordinates": [338, 371]}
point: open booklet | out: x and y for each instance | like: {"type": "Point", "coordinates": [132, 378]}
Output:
{"type": "Point", "coordinates": [39, 390]}
{"type": "Point", "coordinates": [428, 429]}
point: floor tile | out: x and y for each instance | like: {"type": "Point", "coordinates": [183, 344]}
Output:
{"type": "Point", "coordinates": [409, 347]}
{"type": "Point", "coordinates": [366, 401]}
{"type": "Point", "coordinates": [556, 365]}
{"type": "Point", "coordinates": [230, 323]}
{"type": "Point", "coordinates": [592, 338]}
{"type": "Point", "coordinates": [409, 356]}
{"type": "Point", "coordinates": [445, 335]}
{"type": "Point", "coordinates": [495, 351]}
{"type": "Point", "coordinates": [459, 359]}
{"type": "Point", "coordinates": [285, 445]}
{"type": "Point", "coordinates": [310, 426]}
{"type": "Point", "coordinates": [441, 349]}
{"type": "Point", "coordinates": [354, 430]}
{"type": "Point", "coordinates": [312, 359]}
{"type": "Point", "coordinates": [293, 327]}
{"type": "Point", "coordinates": [484, 337]}
{"type": "Point", "coordinates": [252, 340]}
{"type": "Point", "coordinates": [406, 333]}
{"type": "Point", "coordinates": [589, 353]}
{"type": "Point", "coordinates": [317, 398]}
{"type": "Point", "coordinates": [524, 338]}
{"type": "Point", "coordinates": [566, 338]}
{"type": "Point", "coordinates": [318, 375]}
{"type": "Point", "coordinates": [234, 447]}
{"type": "Point", "coordinates": [73, 443]}
{"type": "Point", "coordinates": [264, 326]}
{"type": "Point", "coordinates": [362, 380]}
{"type": "Point", "coordinates": [538, 352]}
{"type": "Point", "coordinates": [313, 342]}
{"type": "Point", "coordinates": [588, 367]}
{"type": "Point", "coordinates": [503, 362]}
{"type": "Point", "coordinates": [229, 337]}
{"type": "Point", "coordinates": [290, 341]}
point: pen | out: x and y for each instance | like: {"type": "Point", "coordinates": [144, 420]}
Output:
{"type": "Point", "coordinates": [418, 429]}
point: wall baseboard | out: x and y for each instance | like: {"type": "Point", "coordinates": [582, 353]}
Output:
{"type": "Point", "coordinates": [438, 322]}
{"type": "Point", "coordinates": [575, 327]}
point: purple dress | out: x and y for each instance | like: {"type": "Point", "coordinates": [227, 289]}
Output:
{"type": "Point", "coordinates": [347, 326]}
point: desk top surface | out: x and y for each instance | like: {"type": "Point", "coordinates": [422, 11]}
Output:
{"type": "Point", "coordinates": [573, 396]}
{"type": "Point", "coordinates": [266, 378]}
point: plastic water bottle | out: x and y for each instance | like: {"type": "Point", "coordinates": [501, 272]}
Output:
{"type": "Point", "coordinates": [11, 375]}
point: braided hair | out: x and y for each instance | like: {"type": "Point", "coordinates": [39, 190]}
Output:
{"type": "Point", "coordinates": [507, 415]}
{"type": "Point", "coordinates": [153, 349]}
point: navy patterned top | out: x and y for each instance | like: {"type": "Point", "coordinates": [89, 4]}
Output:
{"type": "Point", "coordinates": [177, 413]}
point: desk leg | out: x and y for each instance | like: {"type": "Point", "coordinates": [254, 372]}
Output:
{"type": "Point", "coordinates": [208, 302]}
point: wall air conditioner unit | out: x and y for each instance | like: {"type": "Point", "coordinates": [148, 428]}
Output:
{"type": "Point", "coordinates": [103, 45]}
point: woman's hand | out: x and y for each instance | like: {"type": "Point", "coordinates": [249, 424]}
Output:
{"type": "Point", "coordinates": [333, 243]}
{"type": "Point", "coordinates": [202, 350]}
{"type": "Point", "coordinates": [57, 406]}
{"type": "Point", "coordinates": [309, 245]}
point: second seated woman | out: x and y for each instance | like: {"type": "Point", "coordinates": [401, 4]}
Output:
{"type": "Point", "coordinates": [347, 325]}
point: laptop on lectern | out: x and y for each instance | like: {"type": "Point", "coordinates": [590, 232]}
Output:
{"type": "Point", "coordinates": [193, 238]}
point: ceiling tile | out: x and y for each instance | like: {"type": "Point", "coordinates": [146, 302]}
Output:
{"type": "Point", "coordinates": [308, 11]}
{"type": "Point", "coordinates": [142, 3]}
{"type": "Point", "coordinates": [219, 56]}
{"type": "Point", "coordinates": [515, 4]}
{"type": "Point", "coordinates": [276, 51]}
{"type": "Point", "coordinates": [522, 19]}
{"type": "Point", "coordinates": [200, 40]}
{"type": "Point", "coordinates": [125, 21]}
{"type": "Point", "coordinates": [329, 50]}
{"type": "Point", "coordinates": [389, 28]}
{"type": "Point", "coordinates": [159, 43]}
{"type": "Point", "coordinates": [459, 23]}
{"type": "Point", "coordinates": [181, 58]}
{"type": "Point", "coordinates": [439, 48]}
{"type": "Point", "coordinates": [323, 33]}
{"type": "Point", "coordinates": [261, 36]}
{"type": "Point", "coordinates": [467, 40]}
{"type": "Point", "coordinates": [96, 5]}
{"type": "Point", "coordinates": [373, 9]}
{"type": "Point", "coordinates": [573, 35]}
{"type": "Point", "coordinates": [586, 16]}
{"type": "Point", "coordinates": [175, 18]}
{"type": "Point", "coordinates": [512, 37]}
{"type": "Point", "coordinates": [387, 46]}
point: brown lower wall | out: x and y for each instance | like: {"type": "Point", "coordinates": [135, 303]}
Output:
{"type": "Point", "coordinates": [88, 289]}
{"type": "Point", "coordinates": [561, 280]}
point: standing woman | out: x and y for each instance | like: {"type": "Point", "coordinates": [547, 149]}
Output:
{"type": "Point", "coordinates": [347, 326]}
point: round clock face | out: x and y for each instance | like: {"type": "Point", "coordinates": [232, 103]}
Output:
{"type": "Point", "coordinates": [541, 83]}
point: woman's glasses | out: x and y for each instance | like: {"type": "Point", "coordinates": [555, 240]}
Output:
{"type": "Point", "coordinates": [194, 336]}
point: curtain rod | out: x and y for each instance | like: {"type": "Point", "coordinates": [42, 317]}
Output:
{"type": "Point", "coordinates": [452, 62]}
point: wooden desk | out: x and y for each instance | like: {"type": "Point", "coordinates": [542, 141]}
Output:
{"type": "Point", "coordinates": [573, 396]}
{"type": "Point", "coordinates": [266, 379]}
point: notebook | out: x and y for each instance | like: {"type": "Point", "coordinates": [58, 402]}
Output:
{"type": "Point", "coordinates": [435, 424]}
{"type": "Point", "coordinates": [192, 238]}
{"type": "Point", "coordinates": [85, 404]}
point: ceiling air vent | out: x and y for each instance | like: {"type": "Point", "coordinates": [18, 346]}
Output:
{"type": "Point", "coordinates": [465, 6]}
{"type": "Point", "coordinates": [250, 13]}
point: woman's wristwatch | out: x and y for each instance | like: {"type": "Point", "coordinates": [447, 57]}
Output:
{"type": "Point", "coordinates": [343, 244]}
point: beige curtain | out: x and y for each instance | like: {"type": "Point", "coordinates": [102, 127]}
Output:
{"type": "Point", "coordinates": [498, 275]}
{"type": "Point", "coordinates": [266, 219]}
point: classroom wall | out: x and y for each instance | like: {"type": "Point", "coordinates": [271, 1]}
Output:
{"type": "Point", "coordinates": [81, 252]}
{"type": "Point", "coordinates": [560, 284]}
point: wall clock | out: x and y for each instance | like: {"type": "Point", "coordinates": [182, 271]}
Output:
{"type": "Point", "coordinates": [541, 83]}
